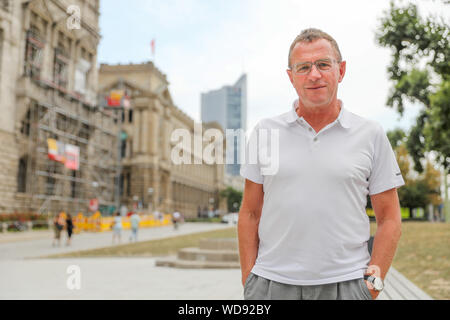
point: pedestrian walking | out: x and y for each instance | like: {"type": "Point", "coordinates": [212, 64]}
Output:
{"type": "Point", "coordinates": [69, 228]}
{"type": "Point", "coordinates": [176, 219]}
{"type": "Point", "coordinates": [117, 227]}
{"type": "Point", "coordinates": [134, 221]}
{"type": "Point", "coordinates": [303, 229]}
{"type": "Point", "coordinates": [58, 226]}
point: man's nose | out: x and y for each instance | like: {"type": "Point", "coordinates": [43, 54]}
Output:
{"type": "Point", "coordinates": [315, 73]}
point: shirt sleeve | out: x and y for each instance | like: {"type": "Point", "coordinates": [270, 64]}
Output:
{"type": "Point", "coordinates": [251, 168]}
{"type": "Point", "coordinates": [385, 174]}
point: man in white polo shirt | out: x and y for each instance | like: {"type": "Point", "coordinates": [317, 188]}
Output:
{"type": "Point", "coordinates": [303, 229]}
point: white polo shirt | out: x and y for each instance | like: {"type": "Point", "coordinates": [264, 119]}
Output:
{"type": "Point", "coordinates": [314, 227]}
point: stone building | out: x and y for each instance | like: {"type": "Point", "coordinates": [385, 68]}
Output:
{"type": "Point", "coordinates": [48, 90]}
{"type": "Point", "coordinates": [149, 177]}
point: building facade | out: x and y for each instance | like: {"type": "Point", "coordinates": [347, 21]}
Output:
{"type": "Point", "coordinates": [48, 92]}
{"type": "Point", "coordinates": [150, 179]}
{"type": "Point", "coordinates": [228, 107]}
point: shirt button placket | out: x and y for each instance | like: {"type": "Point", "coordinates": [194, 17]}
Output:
{"type": "Point", "coordinates": [315, 142]}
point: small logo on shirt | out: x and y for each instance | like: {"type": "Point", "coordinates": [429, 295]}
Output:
{"type": "Point", "coordinates": [397, 174]}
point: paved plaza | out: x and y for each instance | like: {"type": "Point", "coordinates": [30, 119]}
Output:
{"type": "Point", "coordinates": [25, 276]}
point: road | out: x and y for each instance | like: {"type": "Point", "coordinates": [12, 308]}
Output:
{"type": "Point", "coordinates": [23, 275]}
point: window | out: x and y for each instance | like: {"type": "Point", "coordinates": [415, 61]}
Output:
{"type": "Point", "coordinates": [128, 184]}
{"type": "Point", "coordinates": [81, 74]}
{"type": "Point", "coordinates": [73, 185]}
{"type": "Point", "coordinates": [51, 181]}
{"type": "Point", "coordinates": [25, 129]}
{"type": "Point", "coordinates": [121, 185]}
{"type": "Point", "coordinates": [5, 5]}
{"type": "Point", "coordinates": [123, 148]}
{"type": "Point", "coordinates": [60, 67]}
{"type": "Point", "coordinates": [33, 52]}
{"type": "Point", "coordinates": [130, 116]}
{"type": "Point", "coordinates": [131, 148]}
{"type": "Point", "coordinates": [22, 175]}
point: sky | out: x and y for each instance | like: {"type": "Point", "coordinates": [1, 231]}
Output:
{"type": "Point", "coordinates": [204, 45]}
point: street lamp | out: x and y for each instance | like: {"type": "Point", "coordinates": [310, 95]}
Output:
{"type": "Point", "coordinates": [150, 193]}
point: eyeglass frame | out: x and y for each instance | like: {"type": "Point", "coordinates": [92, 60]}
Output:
{"type": "Point", "coordinates": [311, 65]}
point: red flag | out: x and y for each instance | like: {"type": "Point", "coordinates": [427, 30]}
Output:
{"type": "Point", "coordinates": [153, 47]}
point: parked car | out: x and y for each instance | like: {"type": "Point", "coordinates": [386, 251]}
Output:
{"type": "Point", "coordinates": [231, 218]}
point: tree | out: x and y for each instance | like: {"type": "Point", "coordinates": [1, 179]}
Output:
{"type": "Point", "coordinates": [413, 195]}
{"type": "Point", "coordinates": [233, 196]}
{"type": "Point", "coordinates": [419, 190]}
{"type": "Point", "coordinates": [396, 137]}
{"type": "Point", "coordinates": [420, 72]}
{"type": "Point", "coordinates": [432, 179]}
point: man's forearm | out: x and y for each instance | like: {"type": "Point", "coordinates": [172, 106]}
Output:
{"type": "Point", "coordinates": [385, 244]}
{"type": "Point", "coordinates": [248, 242]}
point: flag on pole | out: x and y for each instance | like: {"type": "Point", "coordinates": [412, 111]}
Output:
{"type": "Point", "coordinates": [153, 47]}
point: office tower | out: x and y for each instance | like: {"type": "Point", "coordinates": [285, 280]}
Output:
{"type": "Point", "coordinates": [228, 107]}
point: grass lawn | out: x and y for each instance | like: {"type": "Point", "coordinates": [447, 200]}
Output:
{"type": "Point", "coordinates": [423, 254]}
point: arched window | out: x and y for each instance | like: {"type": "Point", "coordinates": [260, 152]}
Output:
{"type": "Point", "coordinates": [22, 175]}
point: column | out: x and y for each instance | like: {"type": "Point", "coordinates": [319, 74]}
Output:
{"type": "Point", "coordinates": [145, 125]}
{"type": "Point", "coordinates": [136, 134]}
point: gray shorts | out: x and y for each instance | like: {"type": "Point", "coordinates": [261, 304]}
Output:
{"type": "Point", "coordinates": [259, 288]}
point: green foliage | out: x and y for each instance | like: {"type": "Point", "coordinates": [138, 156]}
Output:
{"type": "Point", "coordinates": [413, 195]}
{"type": "Point", "coordinates": [416, 141]}
{"type": "Point", "coordinates": [420, 72]}
{"type": "Point", "coordinates": [395, 137]}
{"type": "Point", "coordinates": [233, 196]}
{"type": "Point", "coordinates": [438, 126]}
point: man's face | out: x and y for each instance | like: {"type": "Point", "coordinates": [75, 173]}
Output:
{"type": "Point", "coordinates": [317, 88]}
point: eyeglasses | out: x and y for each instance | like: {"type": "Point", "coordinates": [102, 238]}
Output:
{"type": "Point", "coordinates": [305, 67]}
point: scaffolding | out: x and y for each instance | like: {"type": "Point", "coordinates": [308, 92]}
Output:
{"type": "Point", "coordinates": [67, 118]}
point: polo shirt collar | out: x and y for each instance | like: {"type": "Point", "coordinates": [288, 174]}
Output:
{"type": "Point", "coordinates": [343, 117]}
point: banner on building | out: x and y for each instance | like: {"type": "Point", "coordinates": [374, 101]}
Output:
{"type": "Point", "coordinates": [93, 204]}
{"type": "Point", "coordinates": [118, 98]}
{"type": "Point", "coordinates": [56, 150]}
{"type": "Point", "coordinates": [72, 154]}
{"type": "Point", "coordinates": [64, 153]}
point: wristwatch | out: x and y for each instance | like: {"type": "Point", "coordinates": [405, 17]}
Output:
{"type": "Point", "coordinates": [376, 282]}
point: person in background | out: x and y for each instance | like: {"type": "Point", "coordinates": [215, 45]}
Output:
{"type": "Point", "coordinates": [176, 219]}
{"type": "Point", "coordinates": [134, 220]}
{"type": "Point", "coordinates": [58, 226]}
{"type": "Point", "coordinates": [156, 215]}
{"type": "Point", "coordinates": [117, 227]}
{"type": "Point", "coordinates": [69, 227]}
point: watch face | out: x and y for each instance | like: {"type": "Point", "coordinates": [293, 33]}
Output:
{"type": "Point", "coordinates": [378, 284]}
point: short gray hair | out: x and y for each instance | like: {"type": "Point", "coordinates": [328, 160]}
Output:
{"type": "Point", "coordinates": [310, 35]}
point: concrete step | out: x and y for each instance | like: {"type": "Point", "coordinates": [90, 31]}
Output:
{"type": "Point", "coordinates": [198, 254]}
{"type": "Point", "coordinates": [187, 264]}
{"type": "Point", "coordinates": [219, 244]}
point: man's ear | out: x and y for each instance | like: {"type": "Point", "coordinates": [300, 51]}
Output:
{"type": "Point", "coordinates": [289, 72]}
{"type": "Point", "coordinates": [342, 67]}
